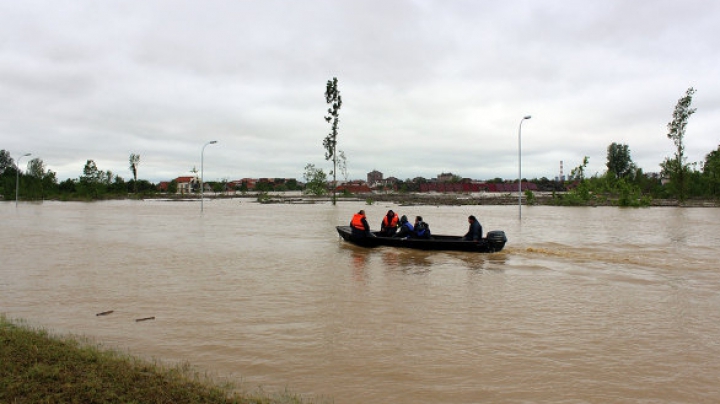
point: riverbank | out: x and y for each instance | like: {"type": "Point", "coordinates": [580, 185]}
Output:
{"type": "Point", "coordinates": [39, 367]}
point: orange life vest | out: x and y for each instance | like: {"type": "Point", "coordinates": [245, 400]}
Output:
{"type": "Point", "coordinates": [356, 221]}
{"type": "Point", "coordinates": [393, 221]}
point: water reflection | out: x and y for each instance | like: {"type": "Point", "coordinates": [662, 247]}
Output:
{"type": "Point", "coordinates": [406, 260]}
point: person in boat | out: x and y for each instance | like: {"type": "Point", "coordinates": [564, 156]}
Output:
{"type": "Point", "coordinates": [422, 229]}
{"type": "Point", "coordinates": [389, 224]}
{"type": "Point", "coordinates": [359, 225]}
{"type": "Point", "coordinates": [474, 230]}
{"type": "Point", "coordinates": [406, 228]}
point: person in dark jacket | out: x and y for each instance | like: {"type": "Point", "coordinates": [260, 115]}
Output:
{"type": "Point", "coordinates": [474, 230]}
{"type": "Point", "coordinates": [406, 228]}
{"type": "Point", "coordinates": [359, 225]}
{"type": "Point", "coordinates": [422, 229]}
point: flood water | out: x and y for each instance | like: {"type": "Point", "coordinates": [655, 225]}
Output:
{"type": "Point", "coordinates": [584, 305]}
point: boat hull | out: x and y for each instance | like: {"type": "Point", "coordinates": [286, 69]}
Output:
{"type": "Point", "coordinates": [494, 242]}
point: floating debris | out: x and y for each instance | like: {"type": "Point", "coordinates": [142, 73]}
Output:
{"type": "Point", "coordinates": [145, 319]}
{"type": "Point", "coordinates": [105, 313]}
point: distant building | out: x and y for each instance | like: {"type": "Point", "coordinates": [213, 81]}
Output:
{"type": "Point", "coordinates": [470, 187]}
{"type": "Point", "coordinates": [354, 187]}
{"type": "Point", "coordinates": [374, 177]}
{"type": "Point", "coordinates": [163, 186]}
{"type": "Point", "coordinates": [185, 185]}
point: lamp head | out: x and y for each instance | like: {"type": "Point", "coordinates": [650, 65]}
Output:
{"type": "Point", "coordinates": [26, 154]}
{"type": "Point", "coordinates": [213, 141]}
{"type": "Point", "coordinates": [527, 117]}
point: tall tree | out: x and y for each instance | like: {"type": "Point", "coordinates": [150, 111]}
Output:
{"type": "Point", "coordinates": [6, 161]}
{"type": "Point", "coordinates": [619, 161]}
{"type": "Point", "coordinates": [36, 168]}
{"type": "Point", "coordinates": [332, 96]}
{"type": "Point", "coordinates": [134, 163]}
{"type": "Point", "coordinates": [676, 167]}
{"type": "Point", "coordinates": [91, 174]}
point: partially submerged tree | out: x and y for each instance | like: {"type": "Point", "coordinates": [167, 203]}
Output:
{"type": "Point", "coordinates": [315, 180]}
{"type": "Point", "coordinates": [676, 167]}
{"type": "Point", "coordinates": [332, 96]}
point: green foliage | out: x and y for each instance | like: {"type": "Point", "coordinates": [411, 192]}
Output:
{"type": "Point", "coordinates": [172, 187]}
{"type": "Point", "coordinates": [263, 197]}
{"type": "Point", "coordinates": [619, 162]}
{"type": "Point", "coordinates": [607, 189]}
{"type": "Point", "coordinates": [6, 161]}
{"type": "Point", "coordinates": [315, 180]}
{"type": "Point", "coordinates": [263, 186]}
{"type": "Point", "coordinates": [530, 197]}
{"type": "Point", "coordinates": [578, 173]}
{"type": "Point", "coordinates": [40, 368]}
{"type": "Point", "coordinates": [711, 173]}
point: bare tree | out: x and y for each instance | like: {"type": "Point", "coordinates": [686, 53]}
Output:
{"type": "Point", "coordinates": [134, 163]}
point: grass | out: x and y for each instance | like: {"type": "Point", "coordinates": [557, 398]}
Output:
{"type": "Point", "coordinates": [36, 367]}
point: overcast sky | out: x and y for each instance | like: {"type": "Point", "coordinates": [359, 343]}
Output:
{"type": "Point", "coordinates": [427, 86]}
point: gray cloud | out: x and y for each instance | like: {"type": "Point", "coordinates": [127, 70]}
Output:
{"type": "Point", "coordinates": [427, 86]}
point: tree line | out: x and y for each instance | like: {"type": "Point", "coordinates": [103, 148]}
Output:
{"type": "Point", "coordinates": [626, 185]}
{"type": "Point", "coordinates": [40, 183]}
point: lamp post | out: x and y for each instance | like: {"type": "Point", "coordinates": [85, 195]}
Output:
{"type": "Point", "coordinates": [17, 178]}
{"type": "Point", "coordinates": [520, 166]}
{"type": "Point", "coordinates": [202, 184]}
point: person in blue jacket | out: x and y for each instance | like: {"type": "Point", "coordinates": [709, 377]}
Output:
{"type": "Point", "coordinates": [422, 229]}
{"type": "Point", "coordinates": [406, 228]}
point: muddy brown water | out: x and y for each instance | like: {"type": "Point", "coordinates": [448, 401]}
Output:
{"type": "Point", "coordinates": [584, 305]}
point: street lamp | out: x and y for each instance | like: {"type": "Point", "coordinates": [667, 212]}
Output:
{"type": "Point", "coordinates": [17, 178]}
{"type": "Point", "coordinates": [202, 185]}
{"type": "Point", "coordinates": [520, 166]}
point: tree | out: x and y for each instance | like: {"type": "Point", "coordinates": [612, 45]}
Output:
{"type": "Point", "coordinates": [676, 168]}
{"type": "Point", "coordinates": [619, 162]}
{"type": "Point", "coordinates": [342, 164]}
{"type": "Point", "coordinates": [6, 161]}
{"type": "Point", "coordinates": [332, 96]}
{"type": "Point", "coordinates": [134, 163]}
{"type": "Point", "coordinates": [91, 174]}
{"type": "Point", "coordinates": [315, 180]}
{"type": "Point", "coordinates": [578, 173]}
{"type": "Point", "coordinates": [711, 172]}
{"type": "Point", "coordinates": [36, 168]}
{"type": "Point", "coordinates": [172, 187]}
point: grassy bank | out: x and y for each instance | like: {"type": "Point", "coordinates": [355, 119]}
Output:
{"type": "Point", "coordinates": [36, 367]}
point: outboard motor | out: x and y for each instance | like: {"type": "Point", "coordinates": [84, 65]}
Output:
{"type": "Point", "coordinates": [496, 240]}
